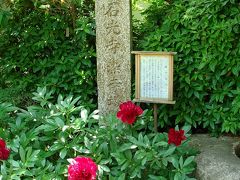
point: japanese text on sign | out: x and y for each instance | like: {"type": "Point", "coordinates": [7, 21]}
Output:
{"type": "Point", "coordinates": [154, 77]}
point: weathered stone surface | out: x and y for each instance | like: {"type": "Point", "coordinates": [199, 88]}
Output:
{"type": "Point", "coordinates": [113, 53]}
{"type": "Point", "coordinates": [217, 160]}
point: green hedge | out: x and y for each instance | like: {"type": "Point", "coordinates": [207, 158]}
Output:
{"type": "Point", "coordinates": [35, 50]}
{"type": "Point", "coordinates": [49, 43]}
{"type": "Point", "coordinates": [205, 34]}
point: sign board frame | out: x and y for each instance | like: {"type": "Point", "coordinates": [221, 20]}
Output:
{"type": "Point", "coordinates": [142, 58]}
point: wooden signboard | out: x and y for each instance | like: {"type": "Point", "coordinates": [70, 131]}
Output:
{"type": "Point", "coordinates": [154, 77]}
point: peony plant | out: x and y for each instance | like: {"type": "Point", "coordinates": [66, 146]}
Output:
{"type": "Point", "coordinates": [128, 112]}
{"type": "Point", "coordinates": [4, 151]}
{"type": "Point", "coordinates": [176, 137]}
{"type": "Point", "coordinates": [138, 153]}
{"type": "Point", "coordinates": [45, 135]}
{"type": "Point", "coordinates": [82, 168]}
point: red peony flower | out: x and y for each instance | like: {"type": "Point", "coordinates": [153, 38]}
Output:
{"type": "Point", "coordinates": [128, 112]}
{"type": "Point", "coordinates": [82, 168]}
{"type": "Point", "coordinates": [175, 137]}
{"type": "Point", "coordinates": [4, 151]}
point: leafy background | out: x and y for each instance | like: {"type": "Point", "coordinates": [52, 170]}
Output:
{"type": "Point", "coordinates": [47, 43]}
{"type": "Point", "coordinates": [205, 34]}
{"type": "Point", "coordinates": [52, 44]}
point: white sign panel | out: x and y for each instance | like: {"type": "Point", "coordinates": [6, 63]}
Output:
{"type": "Point", "coordinates": [154, 75]}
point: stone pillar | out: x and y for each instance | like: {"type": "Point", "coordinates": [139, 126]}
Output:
{"type": "Point", "coordinates": [113, 23]}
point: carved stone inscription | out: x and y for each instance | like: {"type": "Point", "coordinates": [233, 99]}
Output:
{"type": "Point", "coordinates": [113, 53]}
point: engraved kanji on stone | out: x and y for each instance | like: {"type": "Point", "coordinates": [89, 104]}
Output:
{"type": "Point", "coordinates": [113, 53]}
{"type": "Point", "coordinates": [112, 9]}
{"type": "Point", "coordinates": [114, 65]}
{"type": "Point", "coordinates": [113, 45]}
{"type": "Point", "coordinates": [113, 27]}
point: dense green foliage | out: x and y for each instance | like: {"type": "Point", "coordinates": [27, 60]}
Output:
{"type": "Point", "coordinates": [52, 43]}
{"type": "Point", "coordinates": [45, 135]}
{"type": "Point", "coordinates": [205, 34]}
{"type": "Point", "coordinates": [47, 43]}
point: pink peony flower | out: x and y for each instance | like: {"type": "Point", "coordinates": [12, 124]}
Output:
{"type": "Point", "coordinates": [4, 151]}
{"type": "Point", "coordinates": [128, 112]}
{"type": "Point", "coordinates": [82, 168]}
{"type": "Point", "coordinates": [175, 137]}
